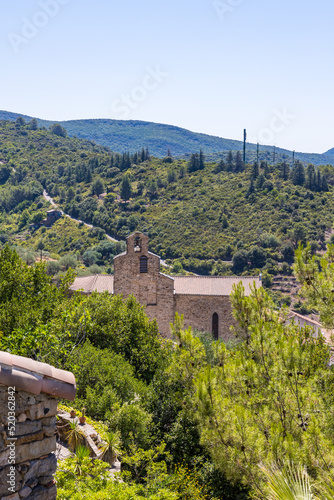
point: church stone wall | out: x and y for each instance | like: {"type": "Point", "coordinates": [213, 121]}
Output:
{"type": "Point", "coordinates": [199, 310]}
{"type": "Point", "coordinates": [152, 289]}
{"type": "Point", "coordinates": [155, 291]}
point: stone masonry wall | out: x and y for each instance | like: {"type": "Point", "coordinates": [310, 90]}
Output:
{"type": "Point", "coordinates": [27, 445]}
{"type": "Point", "coordinates": [198, 312]}
{"type": "Point", "coordinates": [153, 290]}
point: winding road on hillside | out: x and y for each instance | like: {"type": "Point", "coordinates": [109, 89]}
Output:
{"type": "Point", "coordinates": [50, 200]}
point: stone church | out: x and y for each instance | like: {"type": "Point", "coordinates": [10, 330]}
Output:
{"type": "Point", "coordinates": [203, 300]}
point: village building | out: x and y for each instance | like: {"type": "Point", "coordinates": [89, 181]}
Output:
{"type": "Point", "coordinates": [204, 301]}
{"type": "Point", "coordinates": [51, 217]}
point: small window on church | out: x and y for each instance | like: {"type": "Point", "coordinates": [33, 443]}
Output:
{"type": "Point", "coordinates": [143, 264]}
{"type": "Point", "coordinates": [215, 326]}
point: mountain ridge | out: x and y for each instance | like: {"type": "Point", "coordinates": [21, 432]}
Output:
{"type": "Point", "coordinates": [132, 135]}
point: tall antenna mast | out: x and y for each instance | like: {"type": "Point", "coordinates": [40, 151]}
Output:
{"type": "Point", "coordinates": [245, 137]}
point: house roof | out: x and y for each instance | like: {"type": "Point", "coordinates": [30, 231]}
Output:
{"type": "Point", "coordinates": [212, 285]}
{"type": "Point", "coordinates": [95, 283]}
{"type": "Point", "coordinates": [28, 375]}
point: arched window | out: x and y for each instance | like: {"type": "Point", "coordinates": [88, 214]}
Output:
{"type": "Point", "coordinates": [215, 326]}
{"type": "Point", "coordinates": [143, 264]}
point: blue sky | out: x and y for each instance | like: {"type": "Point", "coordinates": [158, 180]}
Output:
{"type": "Point", "coordinates": [211, 66]}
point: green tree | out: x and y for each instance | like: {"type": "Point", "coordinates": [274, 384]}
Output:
{"type": "Point", "coordinates": [125, 189]}
{"type": "Point", "coordinates": [194, 163]}
{"type": "Point", "coordinates": [255, 170]}
{"type": "Point", "coordinates": [239, 164]}
{"type": "Point", "coordinates": [70, 195]}
{"type": "Point", "coordinates": [57, 129]}
{"type": "Point", "coordinates": [98, 186]}
{"type": "Point", "coordinates": [240, 261]}
{"type": "Point", "coordinates": [298, 174]}
{"type": "Point", "coordinates": [33, 124]}
{"type": "Point", "coordinates": [284, 170]}
{"type": "Point", "coordinates": [229, 162]}
{"type": "Point", "coordinates": [311, 179]}
{"type": "Point", "coordinates": [263, 402]}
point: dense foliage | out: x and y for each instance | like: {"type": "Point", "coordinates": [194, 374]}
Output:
{"type": "Point", "coordinates": [121, 135]}
{"type": "Point", "coordinates": [249, 216]}
{"type": "Point", "coordinates": [195, 417]}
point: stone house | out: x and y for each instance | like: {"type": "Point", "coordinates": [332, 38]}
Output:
{"type": "Point", "coordinates": [51, 217]}
{"type": "Point", "coordinates": [203, 300]}
{"type": "Point", "coordinates": [29, 394]}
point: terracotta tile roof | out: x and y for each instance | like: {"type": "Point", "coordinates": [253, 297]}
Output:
{"type": "Point", "coordinates": [95, 283]}
{"type": "Point", "coordinates": [211, 285]}
{"type": "Point", "coordinates": [32, 376]}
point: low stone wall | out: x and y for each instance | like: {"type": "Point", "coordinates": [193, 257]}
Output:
{"type": "Point", "coordinates": [27, 445]}
{"type": "Point", "coordinates": [63, 427]}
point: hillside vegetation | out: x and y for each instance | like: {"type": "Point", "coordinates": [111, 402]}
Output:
{"type": "Point", "coordinates": [132, 135]}
{"type": "Point", "coordinates": [198, 215]}
{"type": "Point", "coordinates": [193, 419]}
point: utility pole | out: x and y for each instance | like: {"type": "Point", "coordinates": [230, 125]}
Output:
{"type": "Point", "coordinates": [245, 137]}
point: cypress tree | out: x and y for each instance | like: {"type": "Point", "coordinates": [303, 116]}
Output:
{"type": "Point", "coordinates": [229, 162]}
{"type": "Point", "coordinates": [255, 171]}
{"type": "Point", "coordinates": [125, 188]}
{"type": "Point", "coordinates": [201, 160]}
{"type": "Point", "coordinates": [324, 185]}
{"type": "Point", "coordinates": [284, 171]}
{"type": "Point", "coordinates": [239, 164]}
{"type": "Point", "coordinates": [298, 174]}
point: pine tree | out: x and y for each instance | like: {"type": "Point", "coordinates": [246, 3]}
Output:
{"type": "Point", "coordinates": [284, 171]}
{"type": "Point", "coordinates": [193, 163]}
{"type": "Point", "coordinates": [298, 174]}
{"type": "Point", "coordinates": [239, 164]}
{"type": "Point", "coordinates": [266, 170]}
{"type": "Point", "coordinates": [201, 160]}
{"type": "Point", "coordinates": [229, 162]}
{"type": "Point", "coordinates": [319, 181]}
{"type": "Point", "coordinates": [255, 171]}
{"type": "Point", "coordinates": [311, 179]}
{"type": "Point", "coordinates": [125, 188]}
{"type": "Point", "coordinates": [324, 185]}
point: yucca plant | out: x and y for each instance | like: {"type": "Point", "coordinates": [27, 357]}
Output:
{"type": "Point", "coordinates": [110, 447]}
{"type": "Point", "coordinates": [81, 453]}
{"type": "Point", "coordinates": [290, 483]}
{"type": "Point", "coordinates": [74, 436]}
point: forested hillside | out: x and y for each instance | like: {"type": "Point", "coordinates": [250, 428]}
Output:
{"type": "Point", "coordinates": [199, 215]}
{"type": "Point", "coordinates": [193, 419]}
{"type": "Point", "coordinates": [132, 135]}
